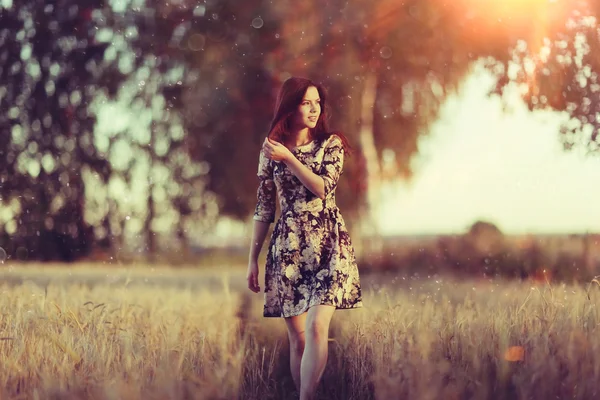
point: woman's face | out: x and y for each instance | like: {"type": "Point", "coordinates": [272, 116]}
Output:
{"type": "Point", "coordinates": [309, 109]}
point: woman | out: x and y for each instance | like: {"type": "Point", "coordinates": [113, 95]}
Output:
{"type": "Point", "coordinates": [311, 269]}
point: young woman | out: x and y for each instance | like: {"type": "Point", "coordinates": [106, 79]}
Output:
{"type": "Point", "coordinates": [311, 268]}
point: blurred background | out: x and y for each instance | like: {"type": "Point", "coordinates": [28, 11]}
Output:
{"type": "Point", "coordinates": [130, 129]}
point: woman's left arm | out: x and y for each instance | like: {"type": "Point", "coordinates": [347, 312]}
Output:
{"type": "Point", "coordinates": [278, 152]}
{"type": "Point", "coordinates": [321, 184]}
{"type": "Point", "coordinates": [312, 181]}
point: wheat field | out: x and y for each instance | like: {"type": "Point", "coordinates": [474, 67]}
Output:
{"type": "Point", "coordinates": [93, 333]}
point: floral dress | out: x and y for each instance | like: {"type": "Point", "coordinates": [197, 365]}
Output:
{"type": "Point", "coordinates": [310, 259]}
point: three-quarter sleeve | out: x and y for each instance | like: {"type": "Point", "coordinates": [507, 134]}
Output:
{"type": "Point", "coordinates": [266, 193]}
{"type": "Point", "coordinates": [333, 164]}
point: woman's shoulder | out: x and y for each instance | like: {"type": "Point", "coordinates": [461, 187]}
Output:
{"type": "Point", "coordinates": [264, 164]}
{"type": "Point", "coordinates": [337, 141]}
{"type": "Point", "coordinates": [333, 139]}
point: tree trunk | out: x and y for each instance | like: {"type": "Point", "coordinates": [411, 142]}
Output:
{"type": "Point", "coordinates": [370, 231]}
{"type": "Point", "coordinates": [184, 244]}
{"type": "Point", "coordinates": [150, 239]}
{"type": "Point", "coordinates": [150, 212]}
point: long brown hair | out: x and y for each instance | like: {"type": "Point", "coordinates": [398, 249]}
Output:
{"type": "Point", "coordinates": [289, 98]}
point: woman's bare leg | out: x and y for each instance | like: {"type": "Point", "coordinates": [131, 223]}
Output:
{"type": "Point", "coordinates": [314, 358]}
{"type": "Point", "coordinates": [296, 326]}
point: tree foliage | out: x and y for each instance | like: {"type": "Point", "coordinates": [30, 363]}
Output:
{"type": "Point", "coordinates": [49, 61]}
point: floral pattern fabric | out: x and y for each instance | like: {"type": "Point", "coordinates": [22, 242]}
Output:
{"type": "Point", "coordinates": [310, 259]}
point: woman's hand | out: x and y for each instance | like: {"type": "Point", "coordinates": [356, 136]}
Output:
{"type": "Point", "coordinates": [276, 151]}
{"type": "Point", "coordinates": [252, 276]}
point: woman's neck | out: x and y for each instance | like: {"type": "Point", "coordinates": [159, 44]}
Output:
{"type": "Point", "coordinates": [300, 137]}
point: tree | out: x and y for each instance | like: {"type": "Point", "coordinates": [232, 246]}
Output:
{"type": "Point", "coordinates": [390, 65]}
{"type": "Point", "coordinates": [62, 64]}
{"type": "Point", "coordinates": [150, 153]}
{"type": "Point", "coordinates": [556, 66]}
{"type": "Point", "coordinates": [50, 61]}
{"type": "Point", "coordinates": [227, 109]}
{"type": "Point", "coordinates": [365, 70]}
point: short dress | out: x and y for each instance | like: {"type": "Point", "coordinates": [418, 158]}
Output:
{"type": "Point", "coordinates": [310, 259]}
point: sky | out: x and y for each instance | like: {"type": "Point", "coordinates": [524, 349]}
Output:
{"type": "Point", "coordinates": [482, 163]}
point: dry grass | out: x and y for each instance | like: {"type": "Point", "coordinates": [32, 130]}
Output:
{"type": "Point", "coordinates": [136, 339]}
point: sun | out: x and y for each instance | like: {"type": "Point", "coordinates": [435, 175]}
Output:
{"type": "Point", "coordinates": [529, 20]}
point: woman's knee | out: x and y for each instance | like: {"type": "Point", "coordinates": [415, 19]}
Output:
{"type": "Point", "coordinates": [298, 344]}
{"type": "Point", "coordinates": [296, 330]}
{"type": "Point", "coordinates": [317, 322]}
{"type": "Point", "coordinates": [297, 340]}
{"type": "Point", "coordinates": [317, 328]}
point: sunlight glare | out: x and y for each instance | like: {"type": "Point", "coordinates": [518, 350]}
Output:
{"type": "Point", "coordinates": [511, 7]}
{"type": "Point", "coordinates": [517, 15]}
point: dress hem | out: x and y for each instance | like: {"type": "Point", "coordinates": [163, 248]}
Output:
{"type": "Point", "coordinates": [354, 307]}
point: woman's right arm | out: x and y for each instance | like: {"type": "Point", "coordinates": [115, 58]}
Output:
{"type": "Point", "coordinates": [258, 238]}
{"type": "Point", "coordinates": [264, 214]}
